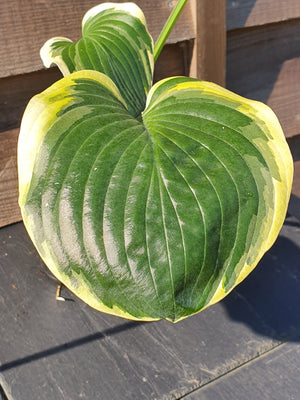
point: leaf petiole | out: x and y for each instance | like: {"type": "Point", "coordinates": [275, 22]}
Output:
{"type": "Point", "coordinates": [168, 27]}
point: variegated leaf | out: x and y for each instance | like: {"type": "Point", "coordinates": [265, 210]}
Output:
{"type": "Point", "coordinates": [158, 216]}
{"type": "Point", "coordinates": [115, 41]}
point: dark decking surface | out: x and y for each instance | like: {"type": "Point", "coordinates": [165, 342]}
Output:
{"type": "Point", "coordinates": [244, 348]}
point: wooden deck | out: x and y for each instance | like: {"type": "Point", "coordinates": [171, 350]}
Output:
{"type": "Point", "coordinates": [245, 348]}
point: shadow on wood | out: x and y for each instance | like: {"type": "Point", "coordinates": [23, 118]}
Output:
{"type": "Point", "coordinates": [271, 293]}
{"type": "Point", "coordinates": [70, 345]}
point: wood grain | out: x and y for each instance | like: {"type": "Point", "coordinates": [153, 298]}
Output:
{"type": "Point", "coordinates": [248, 13]}
{"type": "Point", "coordinates": [273, 376]}
{"type": "Point", "coordinates": [208, 61]}
{"type": "Point", "coordinates": [263, 63]}
{"type": "Point", "coordinates": [54, 350]}
{"type": "Point", "coordinates": [284, 98]}
{"type": "Point", "coordinates": [26, 25]}
{"type": "Point", "coordinates": [9, 208]}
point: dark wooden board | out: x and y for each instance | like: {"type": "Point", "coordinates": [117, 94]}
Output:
{"type": "Point", "coordinates": [275, 376]}
{"type": "Point", "coordinates": [294, 204]}
{"type": "Point", "coordinates": [294, 144]}
{"type": "Point", "coordinates": [259, 12]}
{"type": "Point", "coordinates": [16, 91]}
{"type": "Point", "coordinates": [296, 182]}
{"type": "Point", "coordinates": [174, 60]}
{"type": "Point", "coordinates": [67, 351]}
{"type": "Point", "coordinates": [264, 64]}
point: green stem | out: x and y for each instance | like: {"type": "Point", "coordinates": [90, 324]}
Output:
{"type": "Point", "coordinates": [168, 27]}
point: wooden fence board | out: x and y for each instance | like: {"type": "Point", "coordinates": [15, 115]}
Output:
{"type": "Point", "coordinates": [16, 91]}
{"type": "Point", "coordinates": [26, 25]}
{"type": "Point", "coordinates": [208, 62]}
{"type": "Point", "coordinates": [285, 97]}
{"type": "Point", "coordinates": [9, 209]}
{"type": "Point", "coordinates": [248, 13]}
{"type": "Point", "coordinates": [174, 60]}
{"type": "Point", "coordinates": [264, 64]}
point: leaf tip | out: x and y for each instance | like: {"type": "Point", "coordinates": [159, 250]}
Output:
{"type": "Point", "coordinates": [49, 56]}
{"type": "Point", "coordinates": [129, 7]}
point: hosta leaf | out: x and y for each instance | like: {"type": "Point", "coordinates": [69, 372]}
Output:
{"type": "Point", "coordinates": [115, 41]}
{"type": "Point", "coordinates": [225, 170]}
{"type": "Point", "coordinates": [153, 218]}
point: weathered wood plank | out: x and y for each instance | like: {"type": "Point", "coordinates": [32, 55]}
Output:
{"type": "Point", "coordinates": [9, 208]}
{"type": "Point", "coordinates": [68, 351]}
{"type": "Point", "coordinates": [26, 25]}
{"type": "Point", "coordinates": [284, 98]}
{"type": "Point", "coordinates": [248, 13]}
{"type": "Point", "coordinates": [16, 91]}
{"type": "Point", "coordinates": [264, 64]}
{"type": "Point", "coordinates": [274, 376]}
{"type": "Point", "coordinates": [208, 60]}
